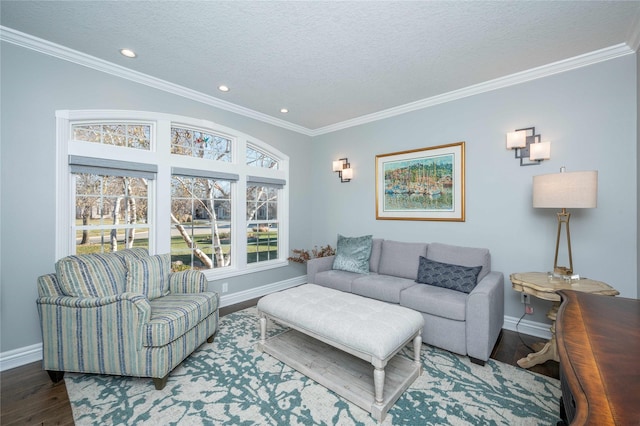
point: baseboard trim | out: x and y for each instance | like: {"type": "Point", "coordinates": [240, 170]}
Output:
{"type": "Point", "coordinates": [21, 356]}
{"type": "Point", "coordinates": [28, 354]}
{"type": "Point", "coordinates": [242, 296]}
{"type": "Point", "coordinates": [531, 328]}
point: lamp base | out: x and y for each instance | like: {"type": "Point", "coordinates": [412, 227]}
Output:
{"type": "Point", "coordinates": [563, 271]}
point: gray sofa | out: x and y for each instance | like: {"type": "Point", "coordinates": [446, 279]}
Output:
{"type": "Point", "coordinates": [467, 324]}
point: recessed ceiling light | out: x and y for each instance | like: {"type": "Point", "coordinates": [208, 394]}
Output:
{"type": "Point", "coordinates": [223, 88]}
{"type": "Point", "coordinates": [128, 53]}
{"type": "Point", "coordinates": [284, 110]}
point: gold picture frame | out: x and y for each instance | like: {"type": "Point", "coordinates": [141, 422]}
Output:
{"type": "Point", "coordinates": [422, 184]}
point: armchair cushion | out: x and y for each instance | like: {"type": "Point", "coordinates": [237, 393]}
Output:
{"type": "Point", "coordinates": [91, 275]}
{"type": "Point", "coordinates": [149, 275]}
{"type": "Point", "coordinates": [173, 315]}
{"type": "Point", "coordinates": [95, 274]}
{"type": "Point", "coordinates": [134, 252]}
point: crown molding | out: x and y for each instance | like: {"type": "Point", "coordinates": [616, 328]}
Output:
{"type": "Point", "coordinates": [634, 35]}
{"type": "Point", "coordinates": [498, 83]}
{"type": "Point", "coordinates": [61, 52]}
{"type": "Point", "coordinates": [46, 47]}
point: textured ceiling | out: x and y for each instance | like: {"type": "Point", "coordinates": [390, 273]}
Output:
{"type": "Point", "coordinates": [328, 62]}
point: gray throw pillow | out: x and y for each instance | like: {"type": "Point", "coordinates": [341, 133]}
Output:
{"type": "Point", "coordinates": [446, 275]}
{"type": "Point", "coordinates": [352, 254]}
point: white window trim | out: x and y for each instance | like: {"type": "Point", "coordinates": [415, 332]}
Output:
{"type": "Point", "coordinates": [159, 241]}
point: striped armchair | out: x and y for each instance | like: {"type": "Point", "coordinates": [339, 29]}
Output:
{"type": "Point", "coordinates": [123, 313]}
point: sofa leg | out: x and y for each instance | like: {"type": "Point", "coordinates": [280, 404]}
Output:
{"type": "Point", "coordinates": [160, 383]}
{"type": "Point", "coordinates": [477, 361]}
{"type": "Point", "coordinates": [55, 376]}
{"type": "Point", "coordinates": [210, 338]}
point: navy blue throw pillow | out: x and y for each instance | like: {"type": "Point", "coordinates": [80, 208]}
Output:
{"type": "Point", "coordinates": [454, 277]}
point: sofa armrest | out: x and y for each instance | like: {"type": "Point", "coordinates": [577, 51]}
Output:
{"type": "Point", "coordinates": [318, 264]}
{"type": "Point", "coordinates": [485, 315]}
{"type": "Point", "coordinates": [191, 281]}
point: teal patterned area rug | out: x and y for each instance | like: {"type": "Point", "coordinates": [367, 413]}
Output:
{"type": "Point", "coordinates": [230, 383]}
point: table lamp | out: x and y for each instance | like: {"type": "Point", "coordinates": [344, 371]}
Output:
{"type": "Point", "coordinates": [565, 190]}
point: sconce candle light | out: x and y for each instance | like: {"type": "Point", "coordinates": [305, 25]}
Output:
{"type": "Point", "coordinates": [528, 146]}
{"type": "Point", "coordinates": [343, 167]}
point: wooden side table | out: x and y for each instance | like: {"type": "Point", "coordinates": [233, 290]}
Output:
{"type": "Point", "coordinates": [545, 286]}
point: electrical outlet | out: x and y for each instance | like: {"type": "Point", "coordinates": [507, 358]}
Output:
{"type": "Point", "coordinates": [524, 298]}
{"type": "Point", "coordinates": [225, 287]}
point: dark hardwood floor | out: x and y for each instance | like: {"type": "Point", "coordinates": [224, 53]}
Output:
{"type": "Point", "coordinates": [28, 397]}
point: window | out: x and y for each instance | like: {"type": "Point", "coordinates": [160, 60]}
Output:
{"type": "Point", "coordinates": [213, 197]}
{"type": "Point", "coordinates": [110, 213]}
{"type": "Point", "coordinates": [129, 135]}
{"type": "Point", "coordinates": [200, 144]}
{"type": "Point", "coordinates": [256, 158]}
{"type": "Point", "coordinates": [262, 228]}
{"type": "Point", "coordinates": [201, 207]}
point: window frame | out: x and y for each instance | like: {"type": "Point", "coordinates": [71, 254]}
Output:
{"type": "Point", "coordinates": [159, 193]}
{"type": "Point", "coordinates": [251, 182]}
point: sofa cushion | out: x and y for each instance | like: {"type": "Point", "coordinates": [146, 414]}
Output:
{"type": "Point", "coordinates": [91, 275]}
{"type": "Point", "coordinates": [175, 314]}
{"type": "Point", "coordinates": [352, 254]}
{"type": "Point", "coordinates": [446, 275]}
{"type": "Point", "coordinates": [400, 259]}
{"type": "Point", "coordinates": [338, 280]}
{"type": "Point", "coordinates": [381, 287]}
{"type": "Point", "coordinates": [464, 256]}
{"type": "Point", "coordinates": [436, 301]}
{"type": "Point", "coordinates": [149, 275]}
{"type": "Point", "coordinates": [376, 251]}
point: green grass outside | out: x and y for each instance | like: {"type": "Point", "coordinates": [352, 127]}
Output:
{"type": "Point", "coordinates": [267, 246]}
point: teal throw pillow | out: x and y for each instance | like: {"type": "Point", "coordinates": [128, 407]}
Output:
{"type": "Point", "coordinates": [149, 275]}
{"type": "Point", "coordinates": [352, 254]}
{"type": "Point", "coordinates": [446, 275]}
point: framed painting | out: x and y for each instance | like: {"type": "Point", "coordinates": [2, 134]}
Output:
{"type": "Point", "coordinates": [421, 184]}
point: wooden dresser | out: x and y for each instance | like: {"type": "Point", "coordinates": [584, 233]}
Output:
{"type": "Point", "coordinates": [598, 340]}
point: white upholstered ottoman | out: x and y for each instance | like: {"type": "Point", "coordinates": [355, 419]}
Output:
{"type": "Point", "coordinates": [335, 337]}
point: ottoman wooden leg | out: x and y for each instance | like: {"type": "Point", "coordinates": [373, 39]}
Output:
{"type": "Point", "coordinates": [263, 332]}
{"type": "Point", "coordinates": [417, 346]}
{"type": "Point", "coordinates": [378, 384]}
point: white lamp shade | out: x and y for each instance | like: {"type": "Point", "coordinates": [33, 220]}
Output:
{"type": "Point", "coordinates": [540, 151]}
{"type": "Point", "coordinates": [517, 139]}
{"type": "Point", "coordinates": [566, 190]}
{"type": "Point", "coordinates": [337, 165]}
{"type": "Point", "coordinates": [347, 173]}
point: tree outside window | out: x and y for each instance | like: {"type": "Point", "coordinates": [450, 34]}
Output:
{"type": "Point", "coordinates": [110, 213]}
{"type": "Point", "coordinates": [201, 222]}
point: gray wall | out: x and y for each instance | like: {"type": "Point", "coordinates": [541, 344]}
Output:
{"type": "Point", "coordinates": [34, 86]}
{"type": "Point", "coordinates": [638, 162]}
{"type": "Point", "coordinates": [588, 114]}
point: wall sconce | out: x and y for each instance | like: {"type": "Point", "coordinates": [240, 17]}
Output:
{"type": "Point", "coordinates": [528, 146]}
{"type": "Point", "coordinates": [343, 167]}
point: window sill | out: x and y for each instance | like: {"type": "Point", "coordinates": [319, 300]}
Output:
{"type": "Point", "coordinates": [214, 275]}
